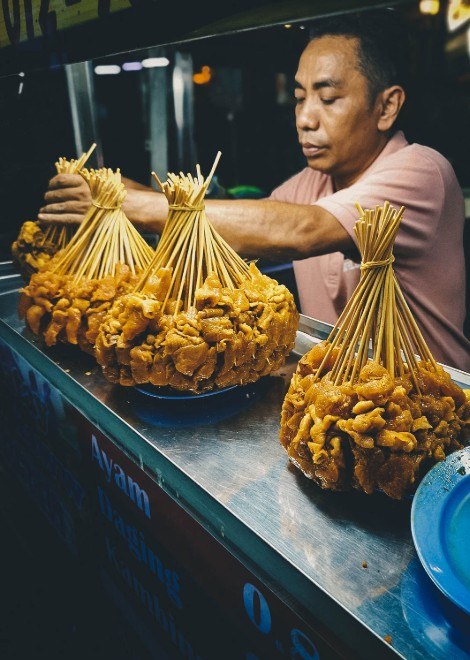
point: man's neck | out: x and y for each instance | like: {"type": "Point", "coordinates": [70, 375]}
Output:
{"type": "Point", "coordinates": [346, 180]}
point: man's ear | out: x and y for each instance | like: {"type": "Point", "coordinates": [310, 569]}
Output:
{"type": "Point", "coordinates": [390, 103]}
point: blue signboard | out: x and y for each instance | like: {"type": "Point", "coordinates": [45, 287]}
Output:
{"type": "Point", "coordinates": [176, 585]}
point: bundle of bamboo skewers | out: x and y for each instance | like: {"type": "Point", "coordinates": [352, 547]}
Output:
{"type": "Point", "coordinates": [67, 300]}
{"type": "Point", "coordinates": [189, 245]}
{"type": "Point", "coordinates": [362, 409]}
{"type": "Point", "coordinates": [199, 318]}
{"type": "Point", "coordinates": [36, 244]}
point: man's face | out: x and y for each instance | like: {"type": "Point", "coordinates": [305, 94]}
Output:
{"type": "Point", "coordinates": [336, 125]}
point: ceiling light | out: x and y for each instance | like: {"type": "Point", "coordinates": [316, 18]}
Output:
{"type": "Point", "coordinates": [132, 66]}
{"type": "Point", "coordinates": [107, 69]}
{"type": "Point", "coordinates": [151, 62]}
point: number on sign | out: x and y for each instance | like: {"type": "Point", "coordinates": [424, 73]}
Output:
{"type": "Point", "coordinates": [302, 647]}
{"type": "Point", "coordinates": [257, 608]}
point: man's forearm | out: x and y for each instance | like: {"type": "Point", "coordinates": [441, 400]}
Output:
{"type": "Point", "coordinates": [146, 209]}
{"type": "Point", "coordinates": [278, 231]}
{"type": "Point", "coordinates": [134, 185]}
{"type": "Point", "coordinates": [254, 228]}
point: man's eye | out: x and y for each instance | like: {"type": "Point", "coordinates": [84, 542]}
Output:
{"type": "Point", "coordinates": [328, 101]}
{"type": "Point", "coordinates": [299, 99]}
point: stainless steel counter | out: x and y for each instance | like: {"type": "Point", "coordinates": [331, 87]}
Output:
{"type": "Point", "coordinates": [221, 459]}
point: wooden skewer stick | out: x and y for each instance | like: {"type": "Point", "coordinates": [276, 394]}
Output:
{"type": "Point", "coordinates": [377, 312]}
{"type": "Point", "coordinates": [106, 235]}
{"type": "Point", "coordinates": [189, 244]}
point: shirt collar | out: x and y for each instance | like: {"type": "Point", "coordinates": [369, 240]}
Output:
{"type": "Point", "coordinates": [395, 143]}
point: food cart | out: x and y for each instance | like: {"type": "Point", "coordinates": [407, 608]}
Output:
{"type": "Point", "coordinates": [187, 515]}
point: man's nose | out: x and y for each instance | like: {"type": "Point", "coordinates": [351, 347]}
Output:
{"type": "Point", "coordinates": [308, 116]}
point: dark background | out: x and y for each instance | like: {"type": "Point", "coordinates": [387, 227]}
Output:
{"type": "Point", "coordinates": [246, 111]}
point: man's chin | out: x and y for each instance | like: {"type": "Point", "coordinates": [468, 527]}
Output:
{"type": "Point", "coordinates": [320, 164]}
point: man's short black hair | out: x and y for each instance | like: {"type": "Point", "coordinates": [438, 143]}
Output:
{"type": "Point", "coordinates": [383, 44]}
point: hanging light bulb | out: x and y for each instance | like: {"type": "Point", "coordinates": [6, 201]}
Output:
{"type": "Point", "coordinates": [429, 7]}
{"type": "Point", "coordinates": [203, 77]}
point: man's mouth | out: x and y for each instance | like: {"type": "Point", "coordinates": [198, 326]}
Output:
{"type": "Point", "coordinates": [311, 150]}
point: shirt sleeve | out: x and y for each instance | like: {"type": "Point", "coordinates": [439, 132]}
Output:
{"type": "Point", "coordinates": [414, 181]}
{"type": "Point", "coordinates": [290, 189]}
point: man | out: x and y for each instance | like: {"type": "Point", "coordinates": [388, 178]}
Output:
{"type": "Point", "coordinates": [349, 94]}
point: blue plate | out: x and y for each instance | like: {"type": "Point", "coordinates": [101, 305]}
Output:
{"type": "Point", "coordinates": [440, 524]}
{"type": "Point", "coordinates": [168, 394]}
{"type": "Point", "coordinates": [439, 626]}
{"type": "Point", "coordinates": [168, 408]}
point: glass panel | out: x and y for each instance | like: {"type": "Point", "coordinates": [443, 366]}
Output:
{"type": "Point", "coordinates": [35, 129]}
{"type": "Point", "coordinates": [240, 101]}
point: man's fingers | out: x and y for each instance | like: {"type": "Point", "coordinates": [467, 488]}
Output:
{"type": "Point", "coordinates": [62, 194]}
{"type": "Point", "coordinates": [60, 207]}
{"type": "Point", "coordinates": [67, 200]}
{"type": "Point", "coordinates": [62, 219]}
{"type": "Point", "coordinates": [68, 206]}
{"type": "Point", "coordinates": [66, 181]}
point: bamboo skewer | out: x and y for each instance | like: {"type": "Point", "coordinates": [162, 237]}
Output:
{"type": "Point", "coordinates": [189, 245]}
{"type": "Point", "coordinates": [377, 314]}
{"type": "Point", "coordinates": [105, 236]}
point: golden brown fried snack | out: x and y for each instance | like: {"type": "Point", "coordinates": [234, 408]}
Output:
{"type": "Point", "coordinates": [378, 434]}
{"type": "Point", "coordinates": [71, 312]}
{"type": "Point", "coordinates": [230, 337]}
{"type": "Point", "coordinates": [31, 251]}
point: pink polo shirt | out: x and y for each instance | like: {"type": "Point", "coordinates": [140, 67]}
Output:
{"type": "Point", "coordinates": [429, 258]}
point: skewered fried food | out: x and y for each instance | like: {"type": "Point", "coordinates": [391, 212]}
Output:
{"type": "Point", "coordinates": [68, 300]}
{"type": "Point", "coordinates": [244, 334]}
{"type": "Point", "coordinates": [353, 422]}
{"type": "Point", "coordinates": [31, 251]}
{"type": "Point", "coordinates": [380, 433]}
{"type": "Point", "coordinates": [64, 310]}
{"type": "Point", "coordinates": [200, 317]}
{"type": "Point", "coordinates": [36, 244]}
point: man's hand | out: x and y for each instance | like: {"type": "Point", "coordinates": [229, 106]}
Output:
{"type": "Point", "coordinates": [67, 199]}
